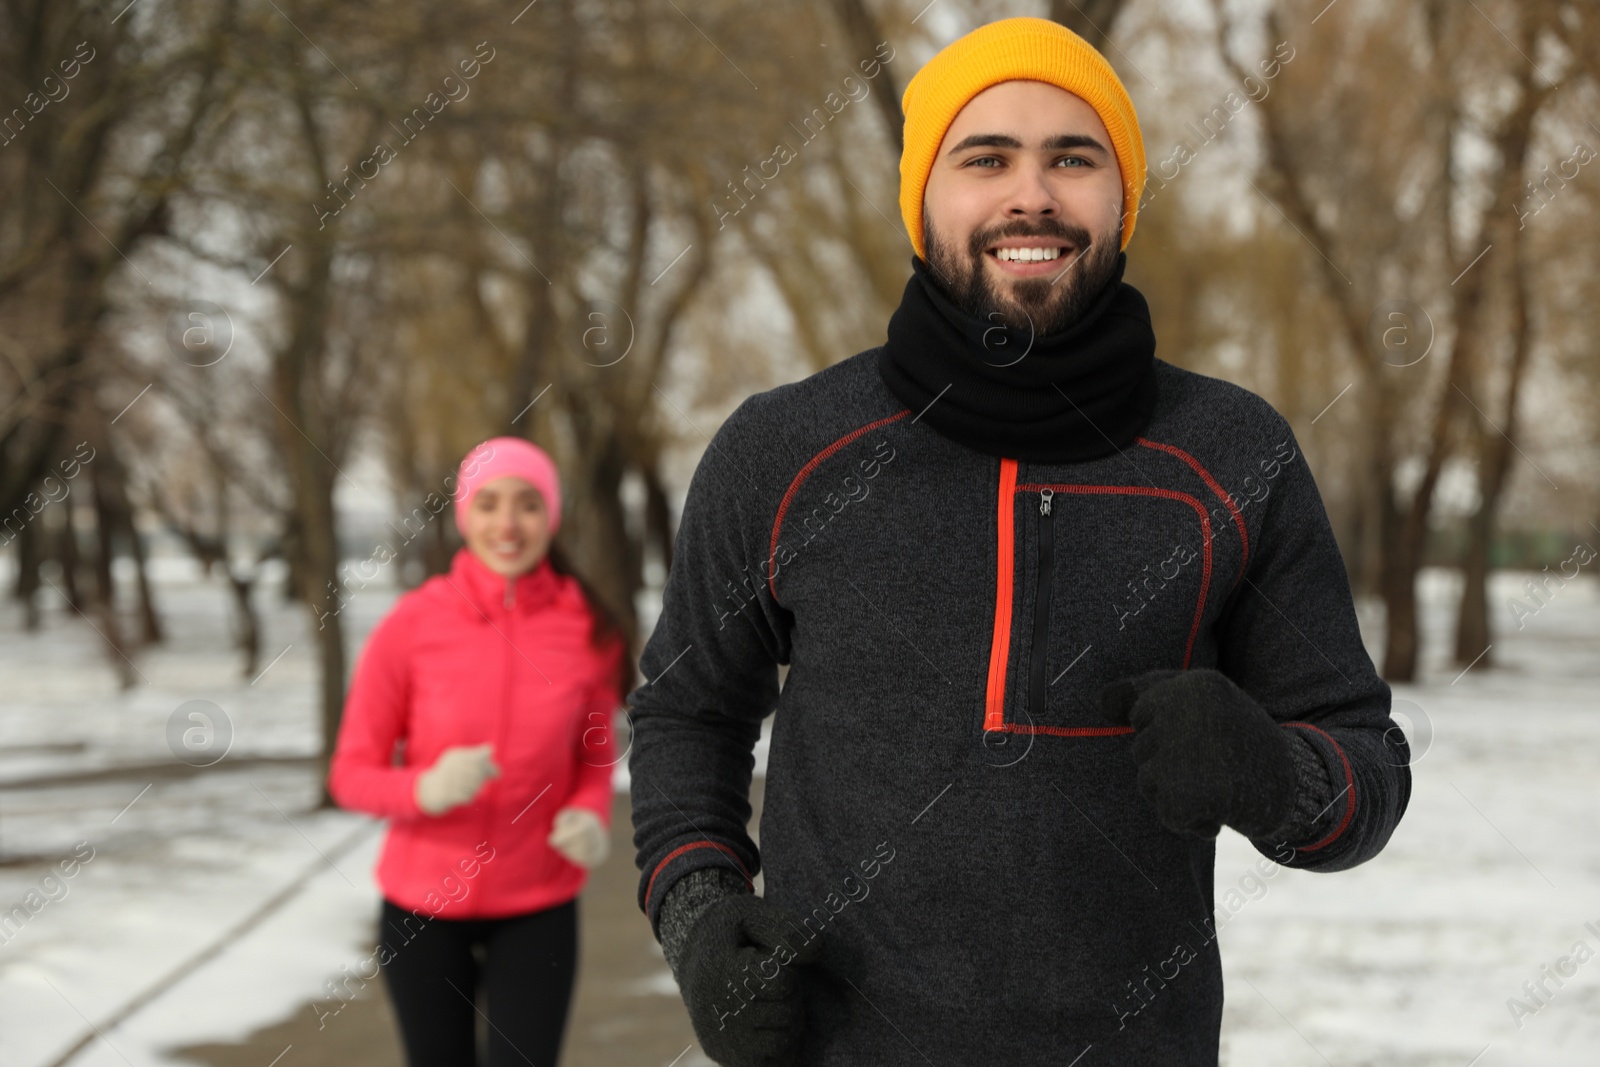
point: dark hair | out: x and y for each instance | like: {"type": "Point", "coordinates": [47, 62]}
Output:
{"type": "Point", "coordinates": [605, 629]}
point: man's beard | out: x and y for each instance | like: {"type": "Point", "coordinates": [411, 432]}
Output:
{"type": "Point", "coordinates": [1030, 307]}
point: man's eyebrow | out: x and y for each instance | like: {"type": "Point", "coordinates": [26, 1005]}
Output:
{"type": "Point", "coordinates": [985, 140]}
{"type": "Point", "coordinates": [1076, 140]}
{"type": "Point", "coordinates": [1005, 140]}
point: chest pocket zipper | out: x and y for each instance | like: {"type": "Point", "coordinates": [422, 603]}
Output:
{"type": "Point", "coordinates": [1039, 647]}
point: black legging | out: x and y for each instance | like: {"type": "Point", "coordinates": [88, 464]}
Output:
{"type": "Point", "coordinates": [528, 968]}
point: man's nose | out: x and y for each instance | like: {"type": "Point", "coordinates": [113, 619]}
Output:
{"type": "Point", "coordinates": [1031, 194]}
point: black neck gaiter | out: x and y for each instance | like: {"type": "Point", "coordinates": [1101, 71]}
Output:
{"type": "Point", "coordinates": [1076, 395]}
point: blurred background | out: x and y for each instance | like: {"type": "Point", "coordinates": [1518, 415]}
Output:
{"type": "Point", "coordinates": [268, 268]}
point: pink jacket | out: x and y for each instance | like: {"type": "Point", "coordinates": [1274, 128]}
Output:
{"type": "Point", "coordinates": [467, 658]}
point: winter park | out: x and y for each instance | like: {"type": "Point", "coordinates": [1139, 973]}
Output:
{"type": "Point", "coordinates": [855, 533]}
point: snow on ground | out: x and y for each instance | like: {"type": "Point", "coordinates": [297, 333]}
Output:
{"type": "Point", "coordinates": [168, 865]}
{"type": "Point", "coordinates": [1407, 960]}
{"type": "Point", "coordinates": [1493, 873]}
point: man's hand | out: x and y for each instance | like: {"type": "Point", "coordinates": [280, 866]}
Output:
{"type": "Point", "coordinates": [758, 1020]}
{"type": "Point", "coordinates": [455, 778]}
{"type": "Point", "coordinates": [1207, 753]}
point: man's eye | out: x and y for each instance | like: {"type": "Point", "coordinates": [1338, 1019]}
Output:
{"type": "Point", "coordinates": [1073, 159]}
{"type": "Point", "coordinates": [984, 159]}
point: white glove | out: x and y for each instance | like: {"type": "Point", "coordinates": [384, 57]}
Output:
{"type": "Point", "coordinates": [580, 836]}
{"type": "Point", "coordinates": [455, 777]}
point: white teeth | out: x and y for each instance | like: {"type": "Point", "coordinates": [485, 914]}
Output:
{"type": "Point", "coordinates": [1027, 254]}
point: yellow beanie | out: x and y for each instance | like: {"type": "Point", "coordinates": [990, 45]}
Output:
{"type": "Point", "coordinates": [1016, 49]}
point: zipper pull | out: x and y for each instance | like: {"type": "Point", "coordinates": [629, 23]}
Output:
{"type": "Point", "coordinates": [1044, 500]}
{"type": "Point", "coordinates": [511, 587]}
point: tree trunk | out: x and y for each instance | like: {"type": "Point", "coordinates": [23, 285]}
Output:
{"type": "Point", "coordinates": [613, 560]}
{"type": "Point", "coordinates": [111, 482]}
{"type": "Point", "coordinates": [105, 525]}
{"type": "Point", "coordinates": [1472, 616]}
{"type": "Point", "coordinates": [319, 559]}
{"type": "Point", "coordinates": [103, 609]}
{"type": "Point", "coordinates": [1473, 635]}
{"type": "Point", "coordinates": [295, 585]}
{"type": "Point", "coordinates": [1369, 526]}
{"type": "Point", "coordinates": [28, 560]}
{"type": "Point", "coordinates": [249, 621]}
{"type": "Point", "coordinates": [305, 440]}
{"type": "Point", "coordinates": [657, 515]}
{"type": "Point", "coordinates": [1399, 583]}
{"type": "Point", "coordinates": [151, 631]}
{"type": "Point", "coordinates": [67, 555]}
{"type": "Point", "coordinates": [544, 228]}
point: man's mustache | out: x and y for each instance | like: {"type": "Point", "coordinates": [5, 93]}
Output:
{"type": "Point", "coordinates": [1076, 236]}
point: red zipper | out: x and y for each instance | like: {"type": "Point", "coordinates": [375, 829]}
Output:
{"type": "Point", "coordinates": [994, 707]}
{"type": "Point", "coordinates": [1005, 582]}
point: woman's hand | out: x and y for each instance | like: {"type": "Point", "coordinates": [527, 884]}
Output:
{"type": "Point", "coordinates": [455, 778]}
{"type": "Point", "coordinates": [579, 835]}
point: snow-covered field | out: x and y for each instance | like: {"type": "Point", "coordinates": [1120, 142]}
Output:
{"type": "Point", "coordinates": [1492, 875]}
{"type": "Point", "coordinates": [201, 906]}
{"type": "Point", "coordinates": [174, 862]}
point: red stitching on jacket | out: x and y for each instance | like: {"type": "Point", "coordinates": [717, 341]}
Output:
{"type": "Point", "coordinates": [805, 472]}
{"type": "Point", "coordinates": [1222, 495]}
{"type": "Point", "coordinates": [680, 850]}
{"type": "Point", "coordinates": [1062, 731]}
{"type": "Point", "coordinates": [1350, 787]}
{"type": "Point", "coordinates": [1171, 494]}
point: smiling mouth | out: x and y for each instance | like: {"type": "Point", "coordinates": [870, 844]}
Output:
{"type": "Point", "coordinates": [1031, 254]}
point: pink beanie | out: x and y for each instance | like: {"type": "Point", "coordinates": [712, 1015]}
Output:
{"type": "Point", "coordinates": [498, 457]}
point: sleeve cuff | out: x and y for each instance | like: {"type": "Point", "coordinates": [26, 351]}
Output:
{"type": "Point", "coordinates": [686, 900]}
{"type": "Point", "coordinates": [1314, 809]}
{"type": "Point", "coordinates": [682, 861]}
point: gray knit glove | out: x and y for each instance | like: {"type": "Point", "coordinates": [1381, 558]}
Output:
{"type": "Point", "coordinates": [737, 959]}
{"type": "Point", "coordinates": [686, 900]}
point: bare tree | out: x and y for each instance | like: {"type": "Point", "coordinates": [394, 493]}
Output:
{"type": "Point", "coordinates": [91, 162]}
{"type": "Point", "coordinates": [1494, 433]}
{"type": "Point", "coordinates": [1347, 166]}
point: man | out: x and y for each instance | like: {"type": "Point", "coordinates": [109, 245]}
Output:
{"type": "Point", "coordinates": [1054, 612]}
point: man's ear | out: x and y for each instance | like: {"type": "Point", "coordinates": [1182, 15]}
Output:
{"type": "Point", "coordinates": [1121, 220]}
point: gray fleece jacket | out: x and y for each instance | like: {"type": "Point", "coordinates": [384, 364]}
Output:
{"type": "Point", "coordinates": [945, 806]}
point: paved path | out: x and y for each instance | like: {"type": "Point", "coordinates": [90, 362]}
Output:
{"type": "Point", "coordinates": [626, 1010]}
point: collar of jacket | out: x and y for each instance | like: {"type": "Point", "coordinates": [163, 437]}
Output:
{"type": "Point", "coordinates": [1082, 393]}
{"type": "Point", "coordinates": [487, 590]}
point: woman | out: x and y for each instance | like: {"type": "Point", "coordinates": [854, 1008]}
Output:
{"type": "Point", "coordinates": [500, 679]}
